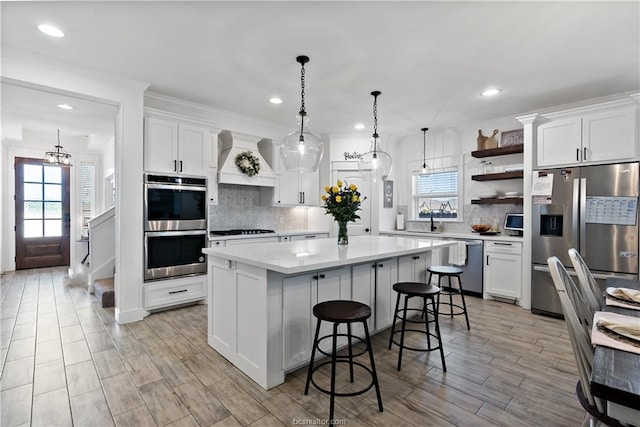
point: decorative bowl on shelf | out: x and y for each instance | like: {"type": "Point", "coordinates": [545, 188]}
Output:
{"type": "Point", "coordinates": [488, 195]}
{"type": "Point", "coordinates": [480, 228]}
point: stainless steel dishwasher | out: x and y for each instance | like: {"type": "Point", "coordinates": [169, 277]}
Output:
{"type": "Point", "coordinates": [472, 270]}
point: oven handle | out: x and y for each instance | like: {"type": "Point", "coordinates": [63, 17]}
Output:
{"type": "Point", "coordinates": [174, 233]}
{"type": "Point", "coordinates": [175, 187]}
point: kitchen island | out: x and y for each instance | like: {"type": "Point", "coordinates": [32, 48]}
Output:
{"type": "Point", "coordinates": [261, 295]}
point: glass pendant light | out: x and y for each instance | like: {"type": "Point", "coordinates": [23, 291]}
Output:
{"type": "Point", "coordinates": [375, 164]}
{"type": "Point", "coordinates": [301, 150]}
{"type": "Point", "coordinates": [425, 168]}
{"type": "Point", "coordinates": [57, 156]}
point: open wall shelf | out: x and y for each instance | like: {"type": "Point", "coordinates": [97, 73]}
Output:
{"type": "Point", "coordinates": [500, 151]}
{"type": "Point", "coordinates": [498, 201]}
{"type": "Point", "coordinates": [497, 176]}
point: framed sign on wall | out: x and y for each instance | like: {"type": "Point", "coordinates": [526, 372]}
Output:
{"type": "Point", "coordinates": [388, 194]}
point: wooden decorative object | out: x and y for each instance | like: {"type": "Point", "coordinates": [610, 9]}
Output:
{"type": "Point", "coordinates": [487, 142]}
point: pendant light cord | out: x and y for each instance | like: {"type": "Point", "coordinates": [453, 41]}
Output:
{"type": "Point", "coordinates": [424, 147]}
{"type": "Point", "coordinates": [375, 122]}
{"type": "Point", "coordinates": [302, 60]}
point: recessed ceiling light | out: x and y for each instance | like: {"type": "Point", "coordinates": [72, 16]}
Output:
{"type": "Point", "coordinates": [359, 126]}
{"type": "Point", "coordinates": [491, 92]}
{"type": "Point", "coordinates": [65, 106]}
{"type": "Point", "coordinates": [275, 100]}
{"type": "Point", "coordinates": [50, 30]}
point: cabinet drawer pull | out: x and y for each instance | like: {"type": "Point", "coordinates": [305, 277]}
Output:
{"type": "Point", "coordinates": [487, 259]}
{"type": "Point", "coordinates": [177, 292]}
{"type": "Point", "coordinates": [309, 237]}
{"type": "Point", "coordinates": [502, 244]}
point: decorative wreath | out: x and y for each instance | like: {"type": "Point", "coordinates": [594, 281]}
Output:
{"type": "Point", "coordinates": [248, 163]}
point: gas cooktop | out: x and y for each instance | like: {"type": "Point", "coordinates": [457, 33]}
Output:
{"type": "Point", "coordinates": [239, 231]}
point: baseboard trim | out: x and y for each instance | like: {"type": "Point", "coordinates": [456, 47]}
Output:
{"type": "Point", "coordinates": [130, 316]}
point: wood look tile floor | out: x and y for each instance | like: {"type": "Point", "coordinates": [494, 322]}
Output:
{"type": "Point", "coordinates": [65, 361]}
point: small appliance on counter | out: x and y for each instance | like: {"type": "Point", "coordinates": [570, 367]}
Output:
{"type": "Point", "coordinates": [400, 222]}
{"type": "Point", "coordinates": [514, 223]}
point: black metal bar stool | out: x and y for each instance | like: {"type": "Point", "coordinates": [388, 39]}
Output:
{"type": "Point", "coordinates": [426, 292]}
{"type": "Point", "coordinates": [337, 312]}
{"type": "Point", "coordinates": [449, 272]}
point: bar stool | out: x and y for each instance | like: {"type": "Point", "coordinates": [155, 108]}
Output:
{"type": "Point", "coordinates": [449, 272]}
{"type": "Point", "coordinates": [337, 312]}
{"type": "Point", "coordinates": [426, 292]}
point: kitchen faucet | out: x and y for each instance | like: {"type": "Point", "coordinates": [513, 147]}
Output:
{"type": "Point", "coordinates": [433, 227]}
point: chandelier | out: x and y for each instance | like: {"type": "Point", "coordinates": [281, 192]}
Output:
{"type": "Point", "coordinates": [301, 150]}
{"type": "Point", "coordinates": [375, 164]}
{"type": "Point", "coordinates": [57, 156]}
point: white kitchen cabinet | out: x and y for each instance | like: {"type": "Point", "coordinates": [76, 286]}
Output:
{"type": "Point", "coordinates": [299, 294]}
{"type": "Point", "coordinates": [601, 134]}
{"type": "Point", "coordinates": [292, 188]}
{"type": "Point", "coordinates": [371, 284]}
{"type": "Point", "coordinates": [175, 146]}
{"type": "Point", "coordinates": [503, 269]}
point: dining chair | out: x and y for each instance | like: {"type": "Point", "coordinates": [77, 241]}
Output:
{"type": "Point", "coordinates": [588, 283]}
{"type": "Point", "coordinates": [580, 337]}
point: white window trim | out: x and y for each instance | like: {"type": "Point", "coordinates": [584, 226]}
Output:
{"type": "Point", "coordinates": [437, 164]}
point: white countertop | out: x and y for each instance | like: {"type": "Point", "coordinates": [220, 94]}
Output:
{"type": "Point", "coordinates": [304, 256]}
{"type": "Point", "coordinates": [503, 237]}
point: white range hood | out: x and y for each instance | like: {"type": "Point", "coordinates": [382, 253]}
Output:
{"type": "Point", "coordinates": [232, 144]}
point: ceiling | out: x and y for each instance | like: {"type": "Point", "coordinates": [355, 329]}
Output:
{"type": "Point", "coordinates": [430, 59]}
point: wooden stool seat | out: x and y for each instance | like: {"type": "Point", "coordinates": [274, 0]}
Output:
{"type": "Point", "coordinates": [342, 311]}
{"type": "Point", "coordinates": [416, 288]}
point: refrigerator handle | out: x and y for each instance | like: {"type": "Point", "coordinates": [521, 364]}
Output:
{"type": "Point", "coordinates": [575, 211]}
{"type": "Point", "coordinates": [583, 217]}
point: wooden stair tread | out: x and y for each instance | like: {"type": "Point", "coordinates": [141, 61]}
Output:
{"type": "Point", "coordinates": [104, 290]}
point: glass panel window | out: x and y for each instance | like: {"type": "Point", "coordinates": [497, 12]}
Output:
{"type": "Point", "coordinates": [53, 210]}
{"type": "Point", "coordinates": [32, 191]}
{"type": "Point", "coordinates": [33, 228]}
{"type": "Point", "coordinates": [53, 175]}
{"type": "Point", "coordinates": [32, 173]}
{"type": "Point", "coordinates": [52, 228]}
{"type": "Point", "coordinates": [53, 192]}
{"type": "Point", "coordinates": [87, 178]}
{"type": "Point", "coordinates": [32, 210]}
{"type": "Point", "coordinates": [436, 195]}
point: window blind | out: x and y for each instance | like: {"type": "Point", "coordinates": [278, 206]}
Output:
{"type": "Point", "coordinates": [87, 193]}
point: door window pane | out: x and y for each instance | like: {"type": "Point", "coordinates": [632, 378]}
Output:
{"type": "Point", "coordinates": [53, 192]}
{"type": "Point", "coordinates": [32, 210]}
{"type": "Point", "coordinates": [32, 191]}
{"type": "Point", "coordinates": [52, 228]}
{"type": "Point", "coordinates": [32, 173]}
{"type": "Point", "coordinates": [33, 228]}
{"type": "Point", "coordinates": [53, 210]}
{"type": "Point", "coordinates": [53, 174]}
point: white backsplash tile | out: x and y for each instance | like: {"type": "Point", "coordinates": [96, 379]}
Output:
{"type": "Point", "coordinates": [239, 207]}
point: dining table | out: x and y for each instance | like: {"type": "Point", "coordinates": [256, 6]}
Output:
{"type": "Point", "coordinates": [615, 376]}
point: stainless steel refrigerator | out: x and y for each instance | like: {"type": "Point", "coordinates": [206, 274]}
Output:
{"type": "Point", "coordinates": [593, 209]}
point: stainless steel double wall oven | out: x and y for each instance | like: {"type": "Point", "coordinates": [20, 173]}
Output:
{"type": "Point", "coordinates": [175, 226]}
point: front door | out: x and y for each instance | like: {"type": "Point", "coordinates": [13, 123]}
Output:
{"type": "Point", "coordinates": [361, 226]}
{"type": "Point", "coordinates": [42, 212]}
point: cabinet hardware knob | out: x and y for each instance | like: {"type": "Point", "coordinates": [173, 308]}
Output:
{"type": "Point", "coordinates": [487, 259]}
{"type": "Point", "coordinates": [584, 155]}
{"type": "Point", "coordinates": [416, 257]}
{"type": "Point", "coordinates": [315, 277]}
{"type": "Point", "coordinates": [577, 154]}
{"type": "Point", "coordinates": [380, 265]}
{"type": "Point", "coordinates": [175, 166]}
{"type": "Point", "coordinates": [322, 276]}
{"type": "Point", "coordinates": [180, 165]}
